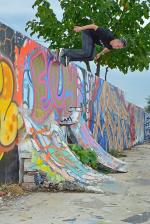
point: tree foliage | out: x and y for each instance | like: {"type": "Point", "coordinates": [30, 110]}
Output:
{"type": "Point", "coordinates": [147, 108]}
{"type": "Point", "coordinates": [126, 18]}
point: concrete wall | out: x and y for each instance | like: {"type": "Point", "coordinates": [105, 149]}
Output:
{"type": "Point", "coordinates": [147, 127]}
{"type": "Point", "coordinates": [114, 122]}
{"type": "Point", "coordinates": [30, 76]}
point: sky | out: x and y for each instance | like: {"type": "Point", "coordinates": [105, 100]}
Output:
{"type": "Point", "coordinates": [136, 85]}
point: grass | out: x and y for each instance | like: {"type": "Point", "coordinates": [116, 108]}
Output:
{"type": "Point", "coordinates": [88, 157]}
{"type": "Point", "coordinates": [12, 190]}
{"type": "Point", "coordinates": [116, 153]}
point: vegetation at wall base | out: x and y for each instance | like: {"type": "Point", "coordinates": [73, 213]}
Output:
{"type": "Point", "coordinates": [86, 156]}
{"type": "Point", "coordinates": [104, 169]}
{"type": "Point", "coordinates": [12, 190]}
{"type": "Point", "coordinates": [116, 153]}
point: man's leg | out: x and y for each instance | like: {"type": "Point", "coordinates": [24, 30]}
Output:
{"type": "Point", "coordinates": [87, 51]}
{"type": "Point", "coordinates": [90, 58]}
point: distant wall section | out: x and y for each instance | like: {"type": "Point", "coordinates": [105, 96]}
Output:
{"type": "Point", "coordinates": [147, 127]}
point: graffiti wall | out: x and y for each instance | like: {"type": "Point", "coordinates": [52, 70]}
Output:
{"type": "Point", "coordinates": [110, 121]}
{"type": "Point", "coordinates": [113, 121]}
{"type": "Point", "coordinates": [31, 80]}
{"type": "Point", "coordinates": [10, 119]}
{"type": "Point", "coordinates": [147, 127]}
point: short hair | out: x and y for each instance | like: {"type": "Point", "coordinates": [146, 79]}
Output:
{"type": "Point", "coordinates": [124, 41]}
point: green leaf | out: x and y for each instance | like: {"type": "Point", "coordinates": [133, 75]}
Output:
{"type": "Point", "coordinates": [124, 17]}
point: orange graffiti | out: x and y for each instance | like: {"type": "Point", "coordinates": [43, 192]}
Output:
{"type": "Point", "coordinates": [20, 56]}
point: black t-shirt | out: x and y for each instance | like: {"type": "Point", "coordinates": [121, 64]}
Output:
{"type": "Point", "coordinates": [102, 37]}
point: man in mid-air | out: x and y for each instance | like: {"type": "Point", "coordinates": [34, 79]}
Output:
{"type": "Point", "coordinates": [92, 35]}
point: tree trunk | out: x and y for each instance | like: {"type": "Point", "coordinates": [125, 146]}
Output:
{"type": "Point", "coordinates": [88, 66]}
{"type": "Point", "coordinates": [98, 69]}
{"type": "Point", "coordinates": [106, 73]}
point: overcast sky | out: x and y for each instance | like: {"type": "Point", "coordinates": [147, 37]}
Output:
{"type": "Point", "coordinates": [136, 85]}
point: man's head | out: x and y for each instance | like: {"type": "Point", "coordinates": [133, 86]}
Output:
{"type": "Point", "coordinates": [118, 43]}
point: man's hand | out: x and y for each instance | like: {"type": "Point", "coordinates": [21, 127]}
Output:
{"type": "Point", "coordinates": [77, 28]}
{"type": "Point", "coordinates": [104, 51]}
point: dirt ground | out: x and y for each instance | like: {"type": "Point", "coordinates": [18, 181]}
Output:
{"type": "Point", "coordinates": [126, 202]}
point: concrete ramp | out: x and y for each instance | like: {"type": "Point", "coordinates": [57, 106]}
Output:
{"type": "Point", "coordinates": [83, 136]}
{"type": "Point", "coordinates": [52, 156]}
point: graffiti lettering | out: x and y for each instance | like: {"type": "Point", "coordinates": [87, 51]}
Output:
{"type": "Point", "coordinates": [10, 119]}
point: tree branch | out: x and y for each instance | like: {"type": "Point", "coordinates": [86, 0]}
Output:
{"type": "Point", "coordinates": [107, 68]}
{"type": "Point", "coordinates": [98, 69]}
{"type": "Point", "coordinates": [87, 65]}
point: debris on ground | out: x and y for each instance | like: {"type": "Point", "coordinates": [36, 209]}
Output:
{"type": "Point", "coordinates": [11, 191]}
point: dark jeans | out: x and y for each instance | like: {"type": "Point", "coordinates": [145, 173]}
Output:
{"type": "Point", "coordinates": [86, 53]}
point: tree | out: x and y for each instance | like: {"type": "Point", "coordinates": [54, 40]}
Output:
{"type": "Point", "coordinates": [147, 108]}
{"type": "Point", "coordinates": [124, 17]}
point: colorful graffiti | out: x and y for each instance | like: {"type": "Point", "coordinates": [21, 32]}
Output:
{"type": "Point", "coordinates": [31, 79]}
{"type": "Point", "coordinates": [52, 87]}
{"type": "Point", "coordinates": [147, 127]}
{"type": "Point", "coordinates": [10, 118]}
{"type": "Point", "coordinates": [81, 133]}
{"type": "Point", "coordinates": [109, 120]}
{"type": "Point", "coordinates": [52, 156]}
{"type": "Point", "coordinates": [113, 121]}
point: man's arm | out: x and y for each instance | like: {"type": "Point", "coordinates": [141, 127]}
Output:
{"type": "Point", "coordinates": [104, 51]}
{"type": "Point", "coordinates": [87, 27]}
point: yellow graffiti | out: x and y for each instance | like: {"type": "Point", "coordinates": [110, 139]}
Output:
{"type": "Point", "coordinates": [1, 78]}
{"type": "Point", "coordinates": [10, 118]}
{"type": "Point", "coordinates": [1, 155]}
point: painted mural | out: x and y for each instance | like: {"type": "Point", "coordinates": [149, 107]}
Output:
{"type": "Point", "coordinates": [84, 137]}
{"type": "Point", "coordinates": [110, 120]}
{"type": "Point", "coordinates": [113, 121]}
{"type": "Point", "coordinates": [41, 78]}
{"type": "Point", "coordinates": [52, 156]}
{"type": "Point", "coordinates": [34, 86]}
{"type": "Point", "coordinates": [147, 127]}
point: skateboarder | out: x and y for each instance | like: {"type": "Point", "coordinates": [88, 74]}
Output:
{"type": "Point", "coordinates": [91, 35]}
